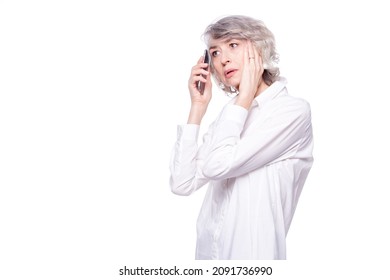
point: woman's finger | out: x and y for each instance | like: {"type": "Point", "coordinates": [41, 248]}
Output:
{"type": "Point", "coordinates": [251, 52]}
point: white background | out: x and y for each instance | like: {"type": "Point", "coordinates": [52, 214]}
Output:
{"type": "Point", "coordinates": [92, 91]}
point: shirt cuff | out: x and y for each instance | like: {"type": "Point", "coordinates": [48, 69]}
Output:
{"type": "Point", "coordinates": [188, 132]}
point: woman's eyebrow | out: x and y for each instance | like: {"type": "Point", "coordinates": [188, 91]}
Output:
{"type": "Point", "coordinates": [227, 40]}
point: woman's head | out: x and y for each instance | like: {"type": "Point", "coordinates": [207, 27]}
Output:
{"type": "Point", "coordinates": [246, 28]}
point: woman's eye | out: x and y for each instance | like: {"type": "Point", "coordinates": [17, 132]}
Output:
{"type": "Point", "coordinates": [233, 45]}
{"type": "Point", "coordinates": [215, 53]}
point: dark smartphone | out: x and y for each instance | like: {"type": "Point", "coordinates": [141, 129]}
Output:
{"type": "Point", "coordinates": [206, 59]}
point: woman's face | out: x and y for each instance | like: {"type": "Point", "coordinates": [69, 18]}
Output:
{"type": "Point", "coordinates": [227, 56]}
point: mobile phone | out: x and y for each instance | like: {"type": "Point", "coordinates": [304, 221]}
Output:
{"type": "Point", "coordinates": [206, 59]}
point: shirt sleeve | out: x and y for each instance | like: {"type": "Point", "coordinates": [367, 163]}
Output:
{"type": "Point", "coordinates": [186, 161]}
{"type": "Point", "coordinates": [272, 138]}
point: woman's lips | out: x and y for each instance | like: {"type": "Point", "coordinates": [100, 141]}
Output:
{"type": "Point", "coordinates": [230, 72]}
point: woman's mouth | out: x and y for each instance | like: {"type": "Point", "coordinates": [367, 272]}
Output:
{"type": "Point", "coordinates": [230, 72]}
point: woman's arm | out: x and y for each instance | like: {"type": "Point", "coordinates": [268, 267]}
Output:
{"type": "Point", "coordinates": [276, 137]}
{"type": "Point", "coordinates": [187, 159]}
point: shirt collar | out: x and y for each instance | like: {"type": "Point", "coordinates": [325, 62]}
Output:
{"type": "Point", "coordinates": [270, 93]}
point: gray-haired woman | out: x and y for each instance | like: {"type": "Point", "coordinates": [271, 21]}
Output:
{"type": "Point", "coordinates": [256, 155]}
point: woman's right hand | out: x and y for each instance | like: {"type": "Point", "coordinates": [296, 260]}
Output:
{"type": "Point", "coordinates": [199, 102]}
{"type": "Point", "coordinates": [197, 73]}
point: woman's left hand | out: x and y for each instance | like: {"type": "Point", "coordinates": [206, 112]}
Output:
{"type": "Point", "coordinates": [251, 76]}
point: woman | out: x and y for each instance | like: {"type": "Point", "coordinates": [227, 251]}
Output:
{"type": "Point", "coordinates": [255, 156]}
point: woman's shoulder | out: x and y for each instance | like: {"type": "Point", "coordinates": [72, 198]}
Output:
{"type": "Point", "coordinates": [290, 105]}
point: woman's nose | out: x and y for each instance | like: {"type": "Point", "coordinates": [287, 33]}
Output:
{"type": "Point", "coordinates": [225, 58]}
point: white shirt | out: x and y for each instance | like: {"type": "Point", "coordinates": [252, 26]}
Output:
{"type": "Point", "coordinates": [256, 163]}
